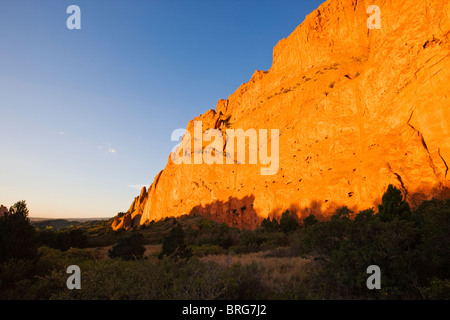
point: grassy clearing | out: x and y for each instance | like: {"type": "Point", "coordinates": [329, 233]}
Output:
{"type": "Point", "coordinates": [275, 271]}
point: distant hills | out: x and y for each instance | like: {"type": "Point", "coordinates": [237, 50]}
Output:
{"type": "Point", "coordinates": [46, 223]}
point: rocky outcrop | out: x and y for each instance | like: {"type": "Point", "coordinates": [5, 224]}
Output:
{"type": "Point", "coordinates": [356, 110]}
{"type": "Point", "coordinates": [133, 216]}
{"type": "Point", "coordinates": [3, 210]}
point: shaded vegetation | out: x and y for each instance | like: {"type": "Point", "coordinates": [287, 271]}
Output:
{"type": "Point", "coordinates": [128, 248]}
{"type": "Point", "coordinates": [174, 245]}
{"type": "Point", "coordinates": [63, 240]}
{"type": "Point", "coordinates": [201, 259]}
{"type": "Point", "coordinates": [17, 235]}
{"type": "Point", "coordinates": [52, 224]}
{"type": "Point", "coordinates": [411, 248]}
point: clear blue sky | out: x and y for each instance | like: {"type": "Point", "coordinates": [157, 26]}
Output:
{"type": "Point", "coordinates": [86, 115]}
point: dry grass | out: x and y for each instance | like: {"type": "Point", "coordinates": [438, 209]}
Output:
{"type": "Point", "coordinates": [274, 270]}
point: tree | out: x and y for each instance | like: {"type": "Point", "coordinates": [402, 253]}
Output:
{"type": "Point", "coordinates": [128, 248]}
{"type": "Point", "coordinates": [17, 235]}
{"type": "Point", "coordinates": [174, 244]}
{"type": "Point", "coordinates": [434, 221]}
{"type": "Point", "coordinates": [365, 215]}
{"type": "Point", "coordinates": [78, 238]}
{"type": "Point", "coordinates": [342, 214]}
{"type": "Point", "coordinates": [62, 241]}
{"type": "Point", "coordinates": [393, 206]}
{"type": "Point", "coordinates": [310, 220]}
{"type": "Point", "coordinates": [270, 225]}
{"type": "Point", "coordinates": [288, 223]}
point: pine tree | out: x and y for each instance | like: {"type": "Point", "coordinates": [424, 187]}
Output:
{"type": "Point", "coordinates": [393, 206]}
{"type": "Point", "coordinates": [174, 244]}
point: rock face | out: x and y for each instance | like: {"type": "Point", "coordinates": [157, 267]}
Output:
{"type": "Point", "coordinates": [3, 210]}
{"type": "Point", "coordinates": [133, 216]}
{"type": "Point", "coordinates": [356, 108]}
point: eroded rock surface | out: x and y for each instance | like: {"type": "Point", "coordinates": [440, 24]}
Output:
{"type": "Point", "coordinates": [356, 109]}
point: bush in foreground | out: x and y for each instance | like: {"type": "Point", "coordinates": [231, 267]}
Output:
{"type": "Point", "coordinates": [128, 248]}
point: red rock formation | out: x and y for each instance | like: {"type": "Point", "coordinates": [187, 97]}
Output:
{"type": "Point", "coordinates": [132, 217]}
{"type": "Point", "coordinates": [3, 210]}
{"type": "Point", "coordinates": [357, 110]}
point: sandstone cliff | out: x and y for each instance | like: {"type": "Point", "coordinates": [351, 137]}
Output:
{"type": "Point", "coordinates": [356, 109]}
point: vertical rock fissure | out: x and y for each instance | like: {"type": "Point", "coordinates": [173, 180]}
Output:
{"type": "Point", "coordinates": [445, 163]}
{"type": "Point", "coordinates": [424, 144]}
{"type": "Point", "coordinates": [402, 184]}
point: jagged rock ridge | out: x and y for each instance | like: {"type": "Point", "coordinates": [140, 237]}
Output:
{"type": "Point", "coordinates": [357, 109]}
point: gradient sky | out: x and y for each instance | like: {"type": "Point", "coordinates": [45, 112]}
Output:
{"type": "Point", "coordinates": [86, 115]}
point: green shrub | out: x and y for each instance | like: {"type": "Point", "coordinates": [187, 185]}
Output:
{"type": "Point", "coordinates": [309, 221]}
{"type": "Point", "coordinates": [174, 244]}
{"type": "Point", "coordinates": [270, 225]}
{"type": "Point", "coordinates": [128, 248]}
{"type": "Point", "coordinates": [288, 222]}
{"type": "Point", "coordinates": [207, 232]}
{"type": "Point", "coordinates": [63, 240]}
